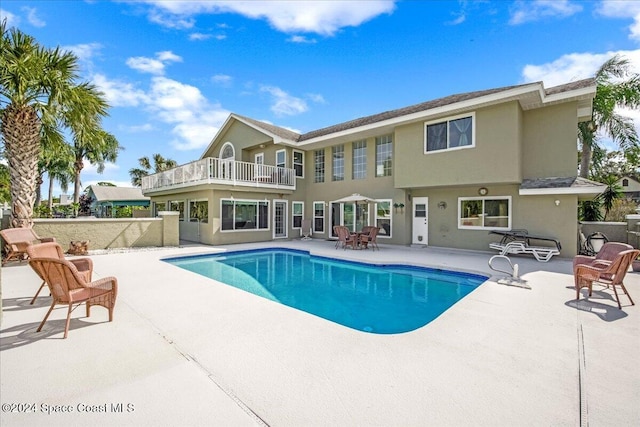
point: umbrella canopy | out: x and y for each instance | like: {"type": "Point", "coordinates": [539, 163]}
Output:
{"type": "Point", "coordinates": [355, 198]}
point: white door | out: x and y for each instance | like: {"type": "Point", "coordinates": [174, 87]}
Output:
{"type": "Point", "coordinates": [279, 219]}
{"type": "Point", "coordinates": [420, 221]}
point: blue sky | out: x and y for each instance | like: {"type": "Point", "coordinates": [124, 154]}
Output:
{"type": "Point", "coordinates": [172, 71]}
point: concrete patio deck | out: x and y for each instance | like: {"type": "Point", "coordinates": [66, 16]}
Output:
{"type": "Point", "coordinates": [183, 350]}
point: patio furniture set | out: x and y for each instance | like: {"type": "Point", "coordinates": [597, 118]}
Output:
{"type": "Point", "coordinates": [367, 237]}
{"type": "Point", "coordinates": [69, 280]}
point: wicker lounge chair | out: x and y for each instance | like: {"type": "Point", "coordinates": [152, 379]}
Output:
{"type": "Point", "coordinates": [371, 238]}
{"type": "Point", "coordinates": [345, 238]}
{"type": "Point", "coordinates": [612, 274]}
{"type": "Point", "coordinates": [604, 258]}
{"type": "Point", "coordinates": [69, 287]}
{"type": "Point", "coordinates": [16, 241]}
{"type": "Point", "coordinates": [54, 250]}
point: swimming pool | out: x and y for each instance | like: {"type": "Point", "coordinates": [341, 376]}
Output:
{"type": "Point", "coordinates": [382, 299]}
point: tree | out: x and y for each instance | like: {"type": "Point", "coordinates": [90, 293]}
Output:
{"type": "Point", "coordinates": [5, 191]}
{"type": "Point", "coordinates": [160, 164]}
{"type": "Point", "coordinates": [38, 86]}
{"type": "Point", "coordinates": [95, 145]}
{"type": "Point", "coordinates": [616, 87]}
{"type": "Point", "coordinates": [610, 194]}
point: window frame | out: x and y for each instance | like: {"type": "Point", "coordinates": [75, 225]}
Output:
{"type": "Point", "coordinates": [448, 121]}
{"type": "Point", "coordinates": [383, 141]}
{"type": "Point", "coordinates": [294, 215]}
{"type": "Point", "coordinates": [234, 210]}
{"type": "Point", "coordinates": [299, 164]}
{"type": "Point", "coordinates": [181, 212]}
{"type": "Point", "coordinates": [483, 215]}
{"type": "Point", "coordinates": [340, 167]}
{"type": "Point", "coordinates": [359, 161]}
{"type": "Point", "coordinates": [283, 163]}
{"type": "Point", "coordinates": [376, 217]}
{"type": "Point", "coordinates": [315, 217]}
{"type": "Point", "coordinates": [190, 203]}
{"type": "Point", "coordinates": [319, 167]}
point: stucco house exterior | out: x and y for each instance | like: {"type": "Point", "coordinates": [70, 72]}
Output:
{"type": "Point", "coordinates": [630, 188]}
{"type": "Point", "coordinates": [443, 173]}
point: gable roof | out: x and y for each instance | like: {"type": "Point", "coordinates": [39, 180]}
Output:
{"type": "Point", "coordinates": [529, 95]}
{"type": "Point", "coordinates": [103, 193]}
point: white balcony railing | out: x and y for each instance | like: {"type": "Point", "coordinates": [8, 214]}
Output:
{"type": "Point", "coordinates": [221, 171]}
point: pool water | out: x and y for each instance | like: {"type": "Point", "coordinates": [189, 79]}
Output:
{"type": "Point", "coordinates": [385, 299]}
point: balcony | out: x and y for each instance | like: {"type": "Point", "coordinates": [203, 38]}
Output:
{"type": "Point", "coordinates": [222, 172]}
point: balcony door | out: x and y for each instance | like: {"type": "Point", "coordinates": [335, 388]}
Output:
{"type": "Point", "coordinates": [227, 158]}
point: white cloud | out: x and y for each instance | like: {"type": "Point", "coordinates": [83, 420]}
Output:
{"type": "Point", "coordinates": [147, 127]}
{"type": "Point", "coordinates": [313, 16]}
{"type": "Point", "coordinates": [528, 11]}
{"type": "Point", "coordinates": [120, 94]}
{"type": "Point", "coordinates": [12, 19]}
{"type": "Point", "coordinates": [283, 104]}
{"type": "Point", "coordinates": [195, 120]}
{"type": "Point", "coordinates": [33, 18]}
{"type": "Point", "coordinates": [578, 66]}
{"type": "Point", "coordinates": [153, 65]}
{"type": "Point", "coordinates": [575, 66]}
{"type": "Point", "coordinates": [222, 80]}
{"type": "Point", "coordinates": [199, 36]}
{"type": "Point", "coordinates": [301, 39]}
{"type": "Point", "coordinates": [623, 9]}
{"type": "Point", "coordinates": [316, 97]}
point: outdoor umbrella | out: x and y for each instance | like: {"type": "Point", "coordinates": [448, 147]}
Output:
{"type": "Point", "coordinates": [356, 198]}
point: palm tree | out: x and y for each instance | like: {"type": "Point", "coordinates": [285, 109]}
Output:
{"type": "Point", "coordinates": [37, 86]}
{"type": "Point", "coordinates": [96, 146]}
{"type": "Point", "coordinates": [616, 87]}
{"type": "Point", "coordinates": [160, 164]}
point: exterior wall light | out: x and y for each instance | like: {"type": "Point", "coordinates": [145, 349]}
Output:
{"type": "Point", "coordinates": [442, 205]}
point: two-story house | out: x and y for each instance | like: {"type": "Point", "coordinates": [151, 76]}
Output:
{"type": "Point", "coordinates": [442, 173]}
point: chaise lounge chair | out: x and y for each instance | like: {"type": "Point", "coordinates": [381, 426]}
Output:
{"type": "Point", "coordinates": [69, 287]}
{"type": "Point", "coordinates": [612, 274]}
{"type": "Point", "coordinates": [517, 242]}
{"type": "Point", "coordinates": [54, 250]}
{"type": "Point", "coordinates": [16, 241]}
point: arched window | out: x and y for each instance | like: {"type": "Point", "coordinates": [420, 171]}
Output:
{"type": "Point", "coordinates": [227, 151]}
{"type": "Point", "coordinates": [625, 182]}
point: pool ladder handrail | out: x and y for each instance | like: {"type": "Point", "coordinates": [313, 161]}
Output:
{"type": "Point", "coordinates": [512, 278]}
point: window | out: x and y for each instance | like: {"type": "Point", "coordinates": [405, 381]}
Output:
{"type": "Point", "coordinates": [244, 215]}
{"type": "Point", "coordinates": [337, 154]}
{"type": "Point", "coordinates": [384, 155]}
{"type": "Point", "coordinates": [281, 159]}
{"type": "Point", "coordinates": [318, 157]}
{"type": "Point", "coordinates": [383, 217]}
{"type": "Point", "coordinates": [227, 151]}
{"type": "Point", "coordinates": [198, 211]}
{"type": "Point", "coordinates": [484, 213]}
{"type": "Point", "coordinates": [297, 210]}
{"type": "Point", "coordinates": [449, 134]}
{"type": "Point", "coordinates": [298, 163]}
{"type": "Point", "coordinates": [359, 160]}
{"type": "Point", "coordinates": [177, 206]}
{"type": "Point", "coordinates": [318, 217]}
{"type": "Point", "coordinates": [625, 182]}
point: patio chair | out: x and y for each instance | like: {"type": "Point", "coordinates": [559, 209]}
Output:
{"type": "Point", "coordinates": [305, 229]}
{"type": "Point", "coordinates": [69, 287]}
{"type": "Point", "coordinates": [16, 241]}
{"type": "Point", "coordinates": [612, 274]}
{"type": "Point", "coordinates": [371, 239]}
{"type": "Point", "coordinates": [54, 250]}
{"type": "Point", "coordinates": [345, 238]}
{"type": "Point", "coordinates": [603, 258]}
